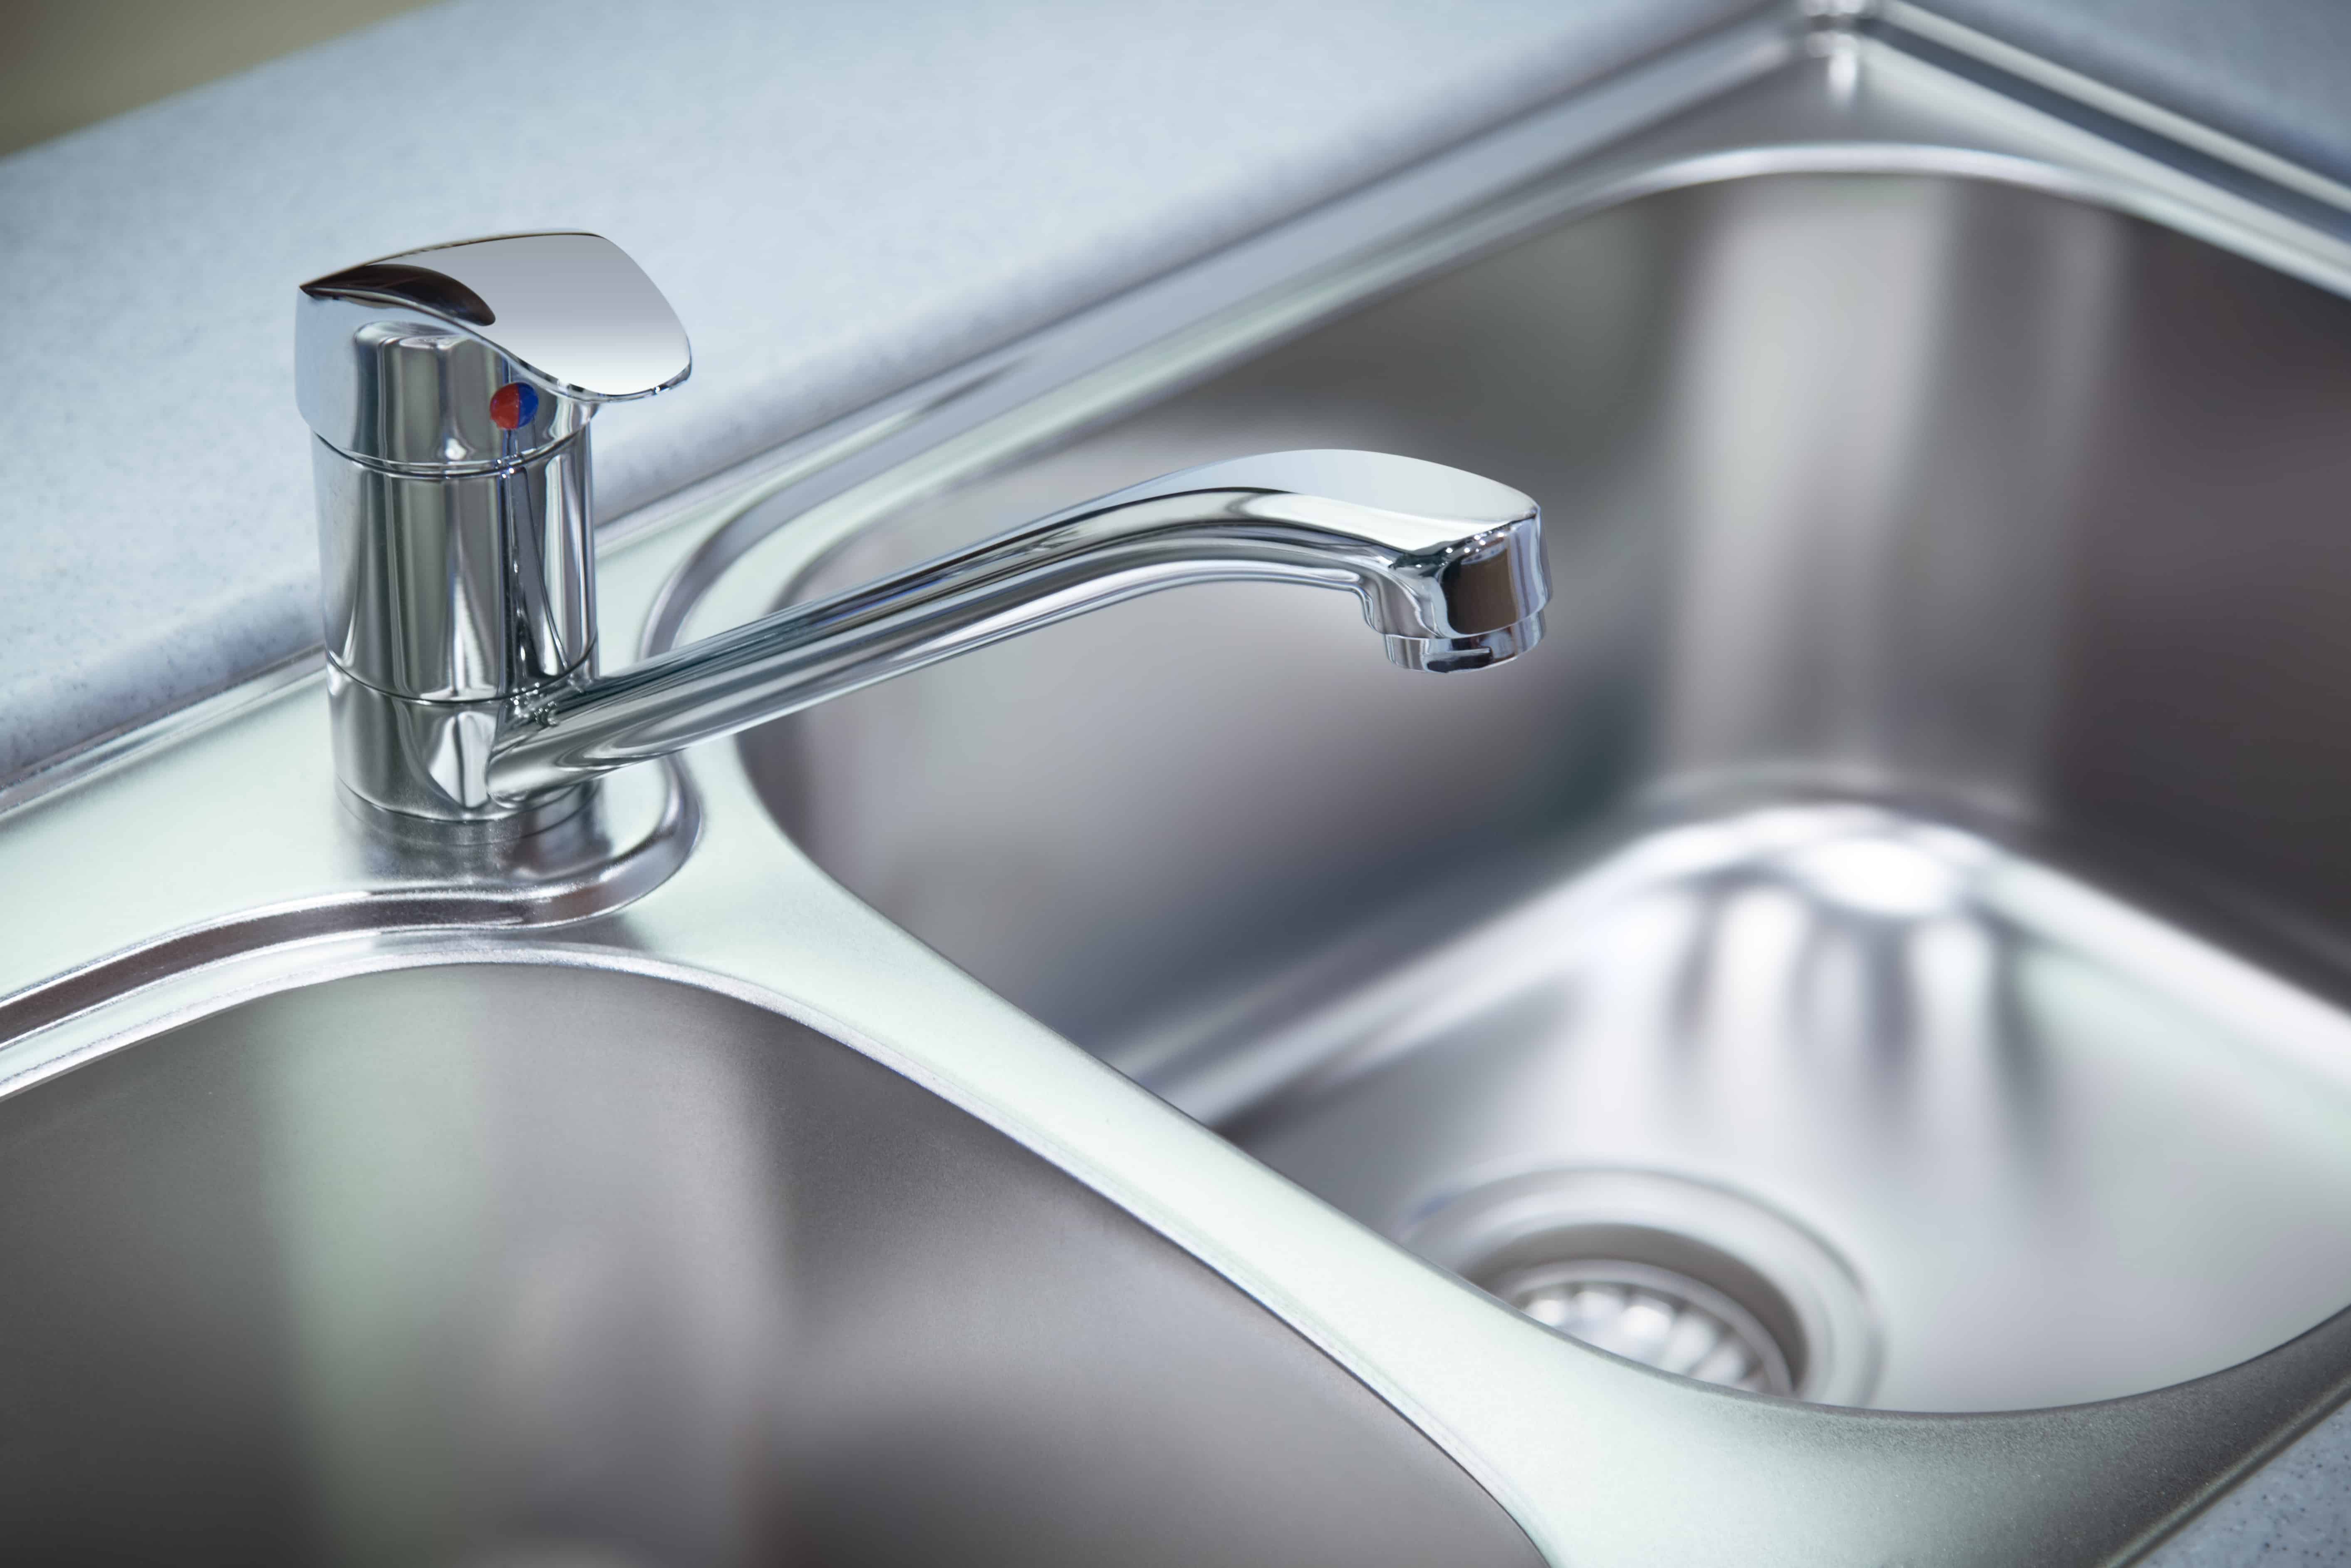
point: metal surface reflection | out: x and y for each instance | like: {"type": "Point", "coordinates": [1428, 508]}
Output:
{"type": "Point", "coordinates": [1446, 567]}
{"type": "Point", "coordinates": [1885, 488]}
{"type": "Point", "coordinates": [1988, 1087]}
{"type": "Point", "coordinates": [510, 1263]}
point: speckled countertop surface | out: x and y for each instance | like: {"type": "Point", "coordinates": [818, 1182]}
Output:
{"type": "Point", "coordinates": [2293, 1512]}
{"type": "Point", "coordinates": [838, 198]}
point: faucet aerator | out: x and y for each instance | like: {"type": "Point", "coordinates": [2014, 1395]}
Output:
{"type": "Point", "coordinates": [1479, 651]}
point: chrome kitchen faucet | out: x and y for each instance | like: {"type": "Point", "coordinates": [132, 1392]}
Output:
{"type": "Point", "coordinates": [450, 390]}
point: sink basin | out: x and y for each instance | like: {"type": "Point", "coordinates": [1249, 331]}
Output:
{"type": "Point", "coordinates": [1893, 925]}
{"type": "Point", "coordinates": [524, 1264]}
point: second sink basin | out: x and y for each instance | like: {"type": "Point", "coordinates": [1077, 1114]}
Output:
{"type": "Point", "coordinates": [1846, 958]}
{"type": "Point", "coordinates": [508, 1264]}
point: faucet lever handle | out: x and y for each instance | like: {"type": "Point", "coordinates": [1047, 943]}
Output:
{"type": "Point", "coordinates": [482, 351]}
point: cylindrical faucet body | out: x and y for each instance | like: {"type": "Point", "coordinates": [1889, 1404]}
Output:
{"type": "Point", "coordinates": [446, 594]}
{"type": "Point", "coordinates": [452, 475]}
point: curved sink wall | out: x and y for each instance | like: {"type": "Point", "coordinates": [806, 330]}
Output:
{"type": "Point", "coordinates": [1987, 508]}
{"type": "Point", "coordinates": [511, 1263]}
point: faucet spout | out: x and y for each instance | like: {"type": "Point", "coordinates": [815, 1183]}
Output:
{"type": "Point", "coordinates": [1448, 567]}
{"type": "Point", "coordinates": [450, 390]}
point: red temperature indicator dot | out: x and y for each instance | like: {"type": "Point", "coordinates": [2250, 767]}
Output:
{"type": "Point", "coordinates": [514, 406]}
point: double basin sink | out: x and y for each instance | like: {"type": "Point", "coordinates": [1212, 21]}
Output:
{"type": "Point", "coordinates": [1837, 1056]}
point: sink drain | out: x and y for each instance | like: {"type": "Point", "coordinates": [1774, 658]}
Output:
{"type": "Point", "coordinates": [1684, 1276]}
{"type": "Point", "coordinates": [1654, 1316]}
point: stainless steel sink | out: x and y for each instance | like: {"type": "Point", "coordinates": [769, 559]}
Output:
{"type": "Point", "coordinates": [1877, 972]}
{"type": "Point", "coordinates": [518, 1264]}
{"type": "Point", "coordinates": [1884, 875]}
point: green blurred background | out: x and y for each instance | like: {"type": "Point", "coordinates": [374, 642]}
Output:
{"type": "Point", "coordinates": [65, 63]}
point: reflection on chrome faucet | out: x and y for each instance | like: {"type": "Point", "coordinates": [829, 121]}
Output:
{"type": "Point", "coordinates": [450, 389]}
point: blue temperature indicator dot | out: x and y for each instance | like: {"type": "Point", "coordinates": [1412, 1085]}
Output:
{"type": "Point", "coordinates": [514, 406]}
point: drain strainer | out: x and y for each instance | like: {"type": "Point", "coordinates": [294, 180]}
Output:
{"type": "Point", "coordinates": [1684, 1276]}
{"type": "Point", "coordinates": [1654, 1316]}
